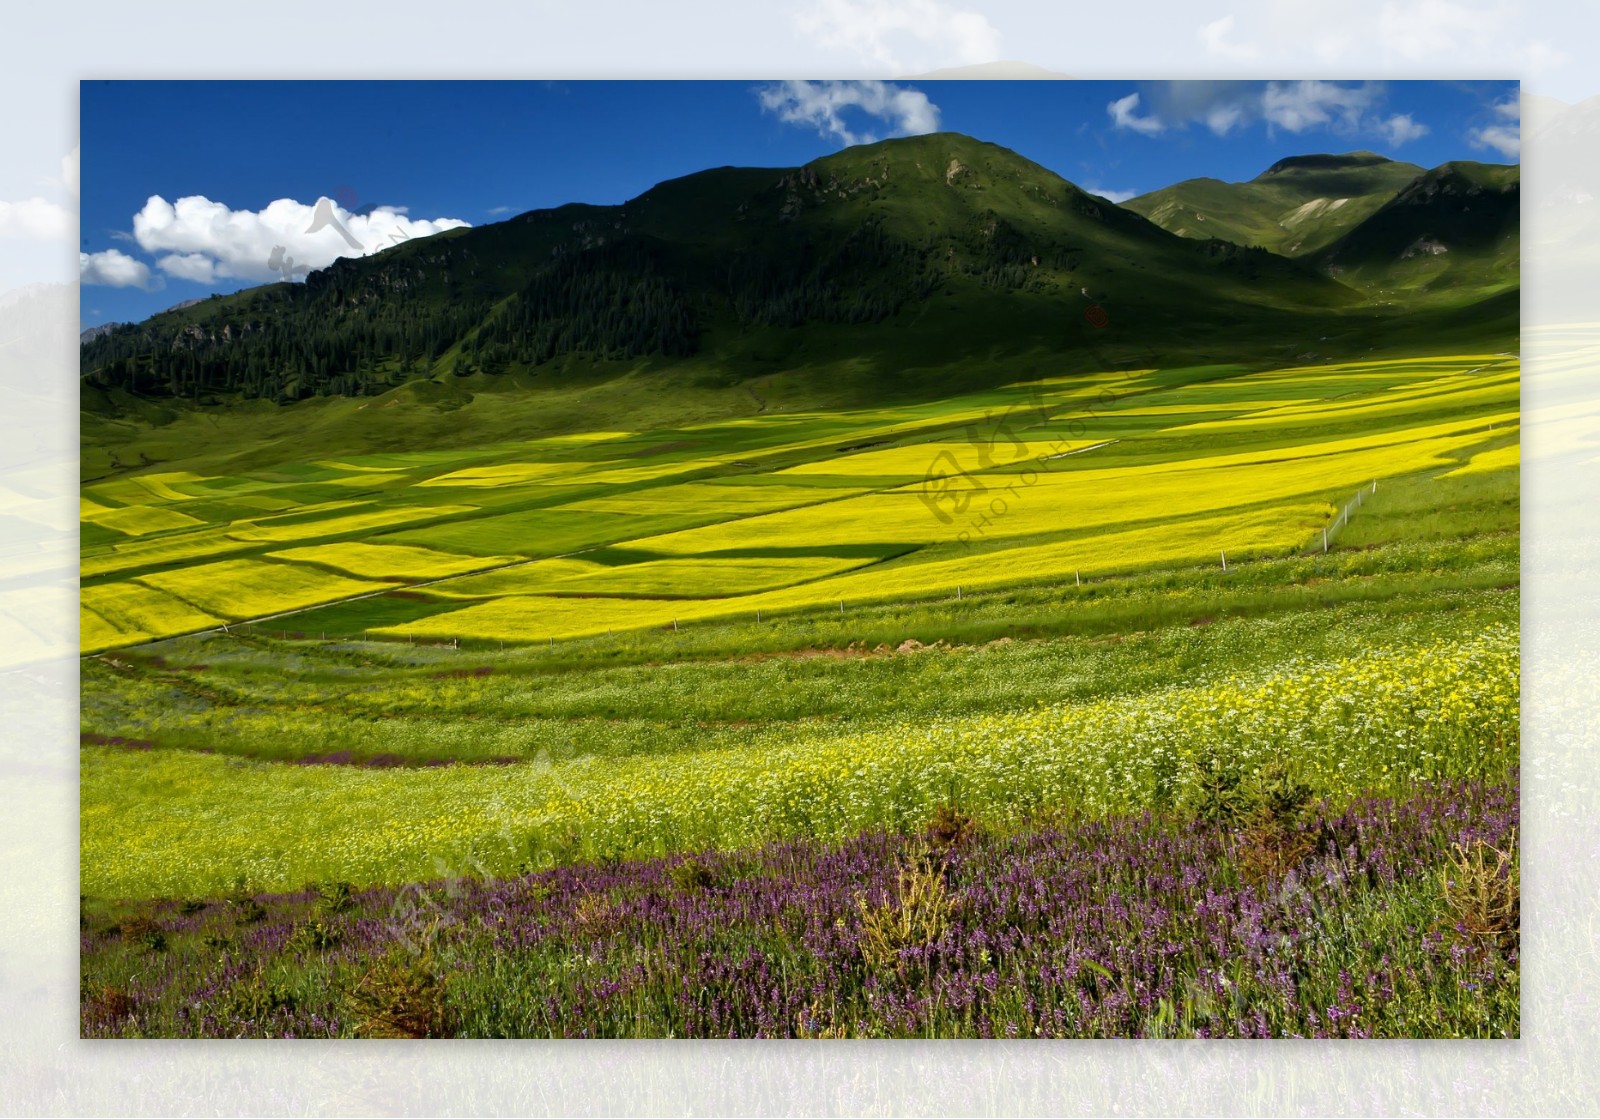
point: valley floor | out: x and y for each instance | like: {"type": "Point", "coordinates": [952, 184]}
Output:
{"type": "Point", "coordinates": [936, 788]}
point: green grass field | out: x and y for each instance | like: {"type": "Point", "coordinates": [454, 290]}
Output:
{"type": "Point", "coordinates": [774, 609]}
{"type": "Point", "coordinates": [565, 656]}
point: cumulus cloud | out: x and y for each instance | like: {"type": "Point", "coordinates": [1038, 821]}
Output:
{"type": "Point", "coordinates": [1400, 129]}
{"type": "Point", "coordinates": [1504, 135]}
{"type": "Point", "coordinates": [1112, 195]}
{"type": "Point", "coordinates": [1303, 105]}
{"type": "Point", "coordinates": [1123, 116]}
{"type": "Point", "coordinates": [1222, 119]}
{"type": "Point", "coordinates": [205, 241]}
{"type": "Point", "coordinates": [116, 269]}
{"type": "Point", "coordinates": [822, 105]}
{"type": "Point", "coordinates": [189, 266]}
{"type": "Point", "coordinates": [1225, 107]}
{"type": "Point", "coordinates": [901, 35]}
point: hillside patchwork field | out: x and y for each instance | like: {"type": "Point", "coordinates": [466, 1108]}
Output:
{"type": "Point", "coordinates": [322, 686]}
{"type": "Point", "coordinates": [1048, 481]}
{"type": "Point", "coordinates": [904, 595]}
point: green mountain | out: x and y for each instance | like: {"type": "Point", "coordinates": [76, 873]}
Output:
{"type": "Point", "coordinates": [908, 267]}
{"type": "Point", "coordinates": [1454, 230]}
{"type": "Point", "coordinates": [1295, 207]}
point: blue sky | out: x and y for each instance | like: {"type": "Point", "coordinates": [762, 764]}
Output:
{"type": "Point", "coordinates": [401, 159]}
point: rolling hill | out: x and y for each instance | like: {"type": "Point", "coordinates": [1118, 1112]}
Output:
{"type": "Point", "coordinates": [752, 269]}
{"type": "Point", "coordinates": [906, 270]}
{"type": "Point", "coordinates": [1295, 207]}
{"type": "Point", "coordinates": [1384, 227]}
{"type": "Point", "coordinates": [1455, 229]}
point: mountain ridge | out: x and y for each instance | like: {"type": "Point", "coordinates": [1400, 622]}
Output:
{"type": "Point", "coordinates": [720, 262]}
{"type": "Point", "coordinates": [902, 269]}
{"type": "Point", "coordinates": [1295, 207]}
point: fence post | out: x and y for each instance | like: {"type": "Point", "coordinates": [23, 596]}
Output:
{"type": "Point", "coordinates": [674, 625]}
{"type": "Point", "coordinates": [1224, 561]}
{"type": "Point", "coordinates": [1077, 577]}
{"type": "Point", "coordinates": [1324, 540]}
{"type": "Point", "coordinates": [958, 592]}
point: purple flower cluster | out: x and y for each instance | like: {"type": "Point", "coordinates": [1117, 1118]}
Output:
{"type": "Point", "coordinates": [1127, 927]}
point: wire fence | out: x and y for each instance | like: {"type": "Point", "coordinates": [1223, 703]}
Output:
{"type": "Point", "coordinates": [1331, 533]}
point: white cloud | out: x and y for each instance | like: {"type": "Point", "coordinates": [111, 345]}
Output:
{"type": "Point", "coordinates": [207, 241]}
{"type": "Point", "coordinates": [821, 105]}
{"type": "Point", "coordinates": [1226, 107]}
{"type": "Point", "coordinates": [189, 266]}
{"type": "Point", "coordinates": [901, 35]}
{"type": "Point", "coordinates": [1505, 140]}
{"type": "Point", "coordinates": [1222, 119]}
{"type": "Point", "coordinates": [36, 218]}
{"type": "Point", "coordinates": [496, 211]}
{"type": "Point", "coordinates": [1122, 115]}
{"type": "Point", "coordinates": [69, 172]}
{"type": "Point", "coordinates": [1505, 135]}
{"type": "Point", "coordinates": [1112, 195]}
{"type": "Point", "coordinates": [116, 269]}
{"type": "Point", "coordinates": [1298, 106]}
{"type": "Point", "coordinates": [1215, 36]}
{"type": "Point", "coordinates": [1401, 128]}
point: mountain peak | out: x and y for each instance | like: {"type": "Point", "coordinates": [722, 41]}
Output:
{"type": "Point", "coordinates": [1328, 162]}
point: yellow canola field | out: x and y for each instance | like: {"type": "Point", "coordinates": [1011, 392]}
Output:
{"type": "Point", "coordinates": [267, 532]}
{"type": "Point", "coordinates": [140, 520]}
{"type": "Point", "coordinates": [1461, 394]}
{"type": "Point", "coordinates": [1500, 458]}
{"type": "Point", "coordinates": [250, 588]}
{"type": "Point", "coordinates": [200, 544]}
{"type": "Point", "coordinates": [160, 485]}
{"type": "Point", "coordinates": [120, 613]}
{"type": "Point", "coordinates": [524, 578]}
{"type": "Point", "coordinates": [696, 578]}
{"type": "Point", "coordinates": [1061, 498]}
{"type": "Point", "coordinates": [504, 474]}
{"type": "Point", "coordinates": [996, 448]}
{"type": "Point", "coordinates": [711, 497]}
{"type": "Point", "coordinates": [389, 561]}
{"type": "Point", "coordinates": [370, 478]}
{"type": "Point", "coordinates": [1275, 530]}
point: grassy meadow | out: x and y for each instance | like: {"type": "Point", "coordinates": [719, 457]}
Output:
{"type": "Point", "coordinates": [1153, 702]}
